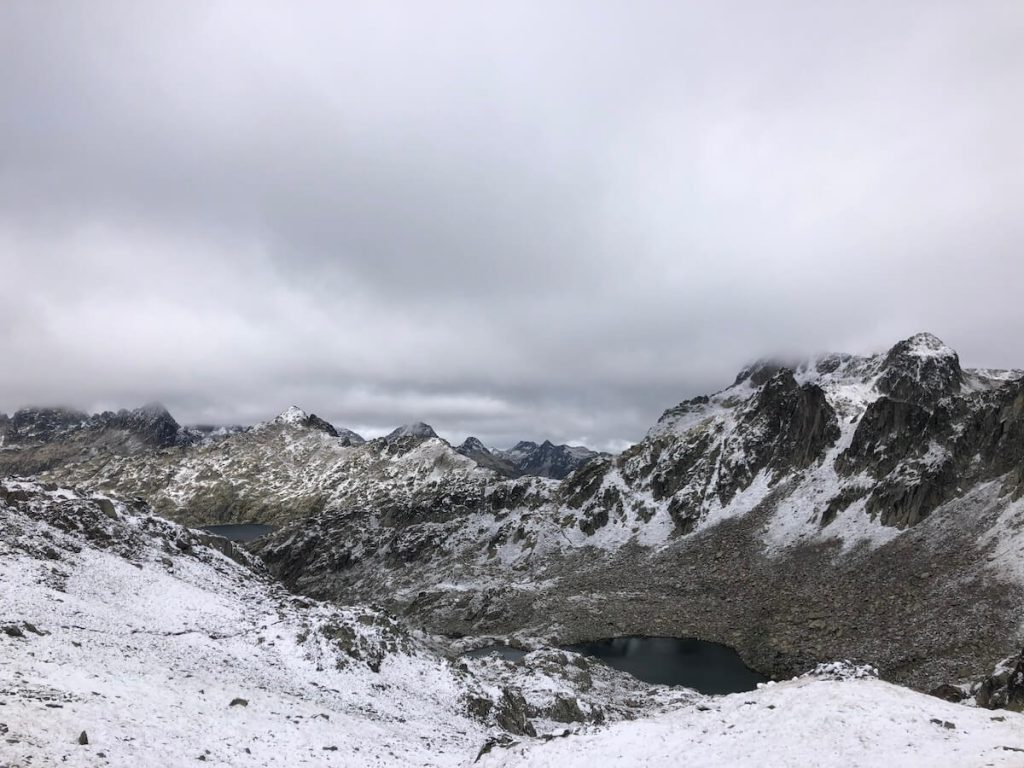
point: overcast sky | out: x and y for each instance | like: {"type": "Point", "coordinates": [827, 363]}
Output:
{"type": "Point", "coordinates": [514, 219]}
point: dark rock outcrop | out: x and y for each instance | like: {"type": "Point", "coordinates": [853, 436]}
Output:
{"type": "Point", "coordinates": [920, 369]}
{"type": "Point", "coordinates": [1004, 689]}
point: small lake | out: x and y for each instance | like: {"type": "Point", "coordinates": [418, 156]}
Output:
{"type": "Point", "coordinates": [710, 668]}
{"type": "Point", "coordinates": [505, 651]}
{"type": "Point", "coordinates": [707, 667]}
{"type": "Point", "coordinates": [241, 532]}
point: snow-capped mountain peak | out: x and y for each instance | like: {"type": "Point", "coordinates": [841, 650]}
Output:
{"type": "Point", "coordinates": [295, 417]}
{"type": "Point", "coordinates": [292, 415]}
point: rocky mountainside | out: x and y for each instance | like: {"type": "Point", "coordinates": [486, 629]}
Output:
{"type": "Point", "coordinates": [128, 640]}
{"type": "Point", "coordinates": [866, 507]}
{"type": "Point", "coordinates": [166, 646]}
{"type": "Point", "coordinates": [474, 449]}
{"type": "Point", "coordinates": [296, 417]}
{"type": "Point", "coordinates": [280, 470]}
{"type": "Point", "coordinates": [528, 458]}
{"type": "Point", "coordinates": [547, 459]}
{"type": "Point", "coordinates": [35, 439]}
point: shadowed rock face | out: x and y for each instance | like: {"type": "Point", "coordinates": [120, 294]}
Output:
{"type": "Point", "coordinates": [528, 458]}
{"type": "Point", "coordinates": [39, 439]}
{"type": "Point", "coordinates": [547, 459]}
{"type": "Point", "coordinates": [789, 426]}
{"type": "Point", "coordinates": [474, 449]}
{"type": "Point", "coordinates": [36, 425]}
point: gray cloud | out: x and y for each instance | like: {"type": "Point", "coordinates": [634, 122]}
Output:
{"type": "Point", "coordinates": [516, 220]}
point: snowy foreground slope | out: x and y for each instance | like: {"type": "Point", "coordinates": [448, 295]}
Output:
{"type": "Point", "coordinates": [145, 649]}
{"type": "Point", "coordinates": [168, 648]}
{"type": "Point", "coordinates": [803, 722]}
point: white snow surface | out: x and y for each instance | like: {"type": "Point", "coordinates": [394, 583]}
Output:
{"type": "Point", "coordinates": [929, 345]}
{"type": "Point", "coordinates": [799, 723]}
{"type": "Point", "coordinates": [145, 653]}
{"type": "Point", "coordinates": [293, 415]}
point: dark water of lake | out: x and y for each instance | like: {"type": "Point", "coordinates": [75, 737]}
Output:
{"type": "Point", "coordinates": [243, 532]}
{"type": "Point", "coordinates": [707, 667]}
{"type": "Point", "coordinates": [505, 651]}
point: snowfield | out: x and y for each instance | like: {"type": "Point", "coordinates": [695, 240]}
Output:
{"type": "Point", "coordinates": [168, 648]}
{"type": "Point", "coordinates": [145, 650]}
{"type": "Point", "coordinates": [803, 722]}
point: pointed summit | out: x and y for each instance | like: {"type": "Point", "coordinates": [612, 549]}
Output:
{"type": "Point", "coordinates": [417, 429]}
{"type": "Point", "coordinates": [472, 445]}
{"type": "Point", "coordinates": [920, 369]}
{"type": "Point", "coordinates": [293, 415]}
{"type": "Point", "coordinates": [296, 417]}
{"type": "Point", "coordinates": [761, 370]}
{"type": "Point", "coordinates": [474, 449]}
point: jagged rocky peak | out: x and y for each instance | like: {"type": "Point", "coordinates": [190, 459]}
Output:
{"type": "Point", "coordinates": [152, 422]}
{"type": "Point", "coordinates": [760, 371]}
{"type": "Point", "coordinates": [920, 369]}
{"type": "Point", "coordinates": [292, 415]}
{"type": "Point", "coordinates": [546, 459]}
{"type": "Point", "coordinates": [472, 445]}
{"type": "Point", "coordinates": [418, 429]}
{"type": "Point", "coordinates": [32, 424]}
{"type": "Point", "coordinates": [524, 445]}
{"type": "Point", "coordinates": [474, 449]}
{"type": "Point", "coordinates": [296, 417]}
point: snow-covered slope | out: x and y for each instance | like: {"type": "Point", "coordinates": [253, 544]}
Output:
{"type": "Point", "coordinates": [138, 633]}
{"type": "Point", "coordinates": [800, 723]}
{"type": "Point", "coordinates": [127, 640]}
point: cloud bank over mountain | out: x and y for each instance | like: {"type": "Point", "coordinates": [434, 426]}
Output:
{"type": "Point", "coordinates": [520, 222]}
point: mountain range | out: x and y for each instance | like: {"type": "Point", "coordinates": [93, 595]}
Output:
{"type": "Point", "coordinates": [844, 506]}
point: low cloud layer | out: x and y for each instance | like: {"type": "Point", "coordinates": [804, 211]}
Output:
{"type": "Point", "coordinates": [519, 221]}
